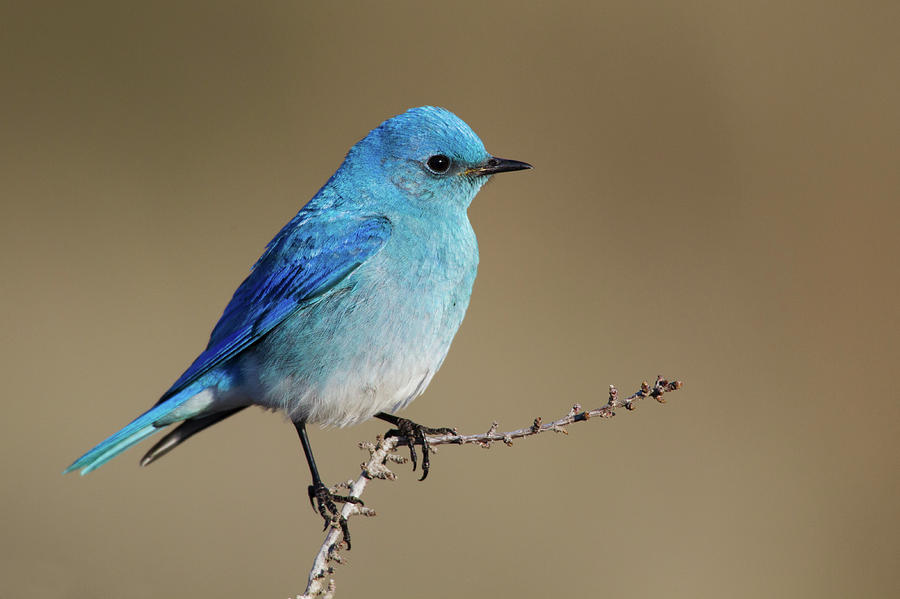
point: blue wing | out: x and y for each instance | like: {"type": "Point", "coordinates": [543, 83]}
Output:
{"type": "Point", "coordinates": [310, 255]}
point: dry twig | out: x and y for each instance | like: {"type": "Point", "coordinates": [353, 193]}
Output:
{"type": "Point", "coordinates": [320, 583]}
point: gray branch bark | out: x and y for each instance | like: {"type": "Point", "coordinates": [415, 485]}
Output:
{"type": "Point", "coordinates": [381, 452]}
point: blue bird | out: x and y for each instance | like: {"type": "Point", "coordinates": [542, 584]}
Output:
{"type": "Point", "coordinates": [350, 311]}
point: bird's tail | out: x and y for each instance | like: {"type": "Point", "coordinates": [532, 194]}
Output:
{"type": "Point", "coordinates": [174, 409]}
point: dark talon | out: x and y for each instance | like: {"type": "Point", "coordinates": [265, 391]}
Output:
{"type": "Point", "coordinates": [414, 433]}
{"type": "Point", "coordinates": [320, 496]}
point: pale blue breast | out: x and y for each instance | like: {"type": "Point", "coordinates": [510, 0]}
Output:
{"type": "Point", "coordinates": [374, 342]}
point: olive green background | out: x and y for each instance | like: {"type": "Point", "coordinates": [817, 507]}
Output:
{"type": "Point", "coordinates": [714, 198]}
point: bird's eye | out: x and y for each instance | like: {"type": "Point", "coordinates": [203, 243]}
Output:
{"type": "Point", "coordinates": [439, 164]}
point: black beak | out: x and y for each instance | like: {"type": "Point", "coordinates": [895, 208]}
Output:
{"type": "Point", "coordinates": [497, 165]}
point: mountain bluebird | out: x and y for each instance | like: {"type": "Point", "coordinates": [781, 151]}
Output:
{"type": "Point", "coordinates": [351, 309]}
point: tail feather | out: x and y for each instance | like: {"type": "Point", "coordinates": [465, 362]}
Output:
{"type": "Point", "coordinates": [183, 432]}
{"type": "Point", "coordinates": [104, 452]}
{"type": "Point", "coordinates": [139, 429]}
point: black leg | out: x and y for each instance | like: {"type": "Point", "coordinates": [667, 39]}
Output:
{"type": "Point", "coordinates": [413, 433]}
{"type": "Point", "coordinates": [319, 495]}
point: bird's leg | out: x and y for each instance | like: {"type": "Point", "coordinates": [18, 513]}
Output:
{"type": "Point", "coordinates": [413, 433]}
{"type": "Point", "coordinates": [321, 496]}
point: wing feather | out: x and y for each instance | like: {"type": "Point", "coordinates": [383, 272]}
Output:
{"type": "Point", "coordinates": [305, 260]}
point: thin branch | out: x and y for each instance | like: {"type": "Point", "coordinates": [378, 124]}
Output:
{"type": "Point", "coordinates": [380, 452]}
{"type": "Point", "coordinates": [320, 583]}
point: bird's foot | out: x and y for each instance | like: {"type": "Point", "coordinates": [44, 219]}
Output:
{"type": "Point", "coordinates": [321, 498]}
{"type": "Point", "coordinates": [414, 433]}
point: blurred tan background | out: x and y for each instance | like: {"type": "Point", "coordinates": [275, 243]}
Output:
{"type": "Point", "coordinates": [714, 198]}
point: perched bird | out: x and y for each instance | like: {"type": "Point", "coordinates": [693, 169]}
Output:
{"type": "Point", "coordinates": [351, 309]}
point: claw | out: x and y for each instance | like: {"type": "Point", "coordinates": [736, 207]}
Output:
{"type": "Point", "coordinates": [414, 433]}
{"type": "Point", "coordinates": [320, 496]}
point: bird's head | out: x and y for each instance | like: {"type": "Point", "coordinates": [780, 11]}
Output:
{"type": "Point", "coordinates": [430, 156]}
